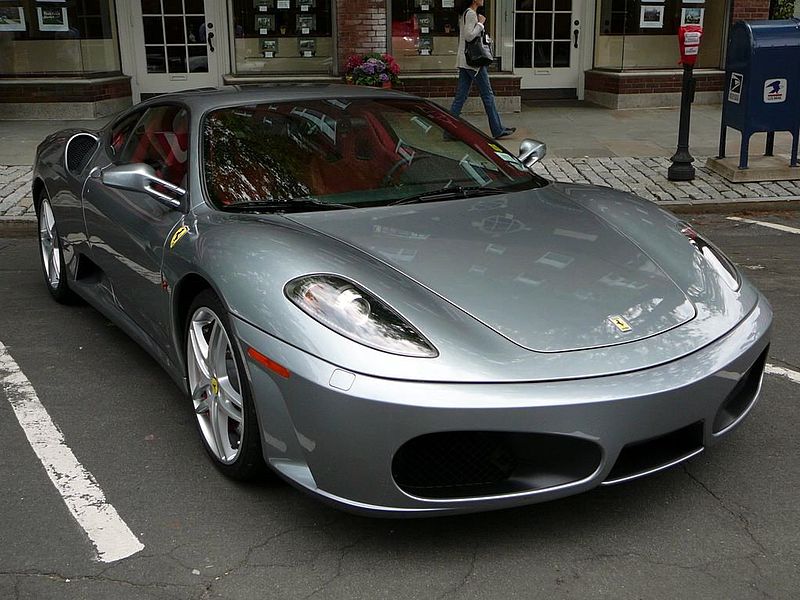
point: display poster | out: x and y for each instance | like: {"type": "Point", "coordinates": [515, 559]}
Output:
{"type": "Point", "coordinates": [425, 45]}
{"type": "Point", "coordinates": [265, 24]}
{"type": "Point", "coordinates": [52, 18]}
{"type": "Point", "coordinates": [306, 24]}
{"type": "Point", "coordinates": [651, 16]}
{"type": "Point", "coordinates": [308, 48]}
{"type": "Point", "coordinates": [692, 16]}
{"type": "Point", "coordinates": [12, 18]}
{"type": "Point", "coordinates": [269, 48]}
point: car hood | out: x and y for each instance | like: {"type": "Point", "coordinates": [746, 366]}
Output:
{"type": "Point", "coordinates": [537, 267]}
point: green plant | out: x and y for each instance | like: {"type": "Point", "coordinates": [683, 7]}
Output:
{"type": "Point", "coordinates": [781, 9]}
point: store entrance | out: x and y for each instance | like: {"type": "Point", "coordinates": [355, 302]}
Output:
{"type": "Point", "coordinates": [548, 37]}
{"type": "Point", "coordinates": [176, 45]}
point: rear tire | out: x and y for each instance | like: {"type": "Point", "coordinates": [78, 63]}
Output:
{"type": "Point", "coordinates": [52, 256]}
{"type": "Point", "coordinates": [219, 390]}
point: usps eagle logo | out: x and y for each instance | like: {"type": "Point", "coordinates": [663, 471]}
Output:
{"type": "Point", "coordinates": [775, 91]}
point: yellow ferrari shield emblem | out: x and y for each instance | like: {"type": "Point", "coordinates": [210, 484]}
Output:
{"type": "Point", "coordinates": [620, 323]}
{"type": "Point", "coordinates": [214, 386]}
{"type": "Point", "coordinates": [176, 237]}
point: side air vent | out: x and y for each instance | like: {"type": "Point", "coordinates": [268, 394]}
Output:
{"type": "Point", "coordinates": [79, 151]}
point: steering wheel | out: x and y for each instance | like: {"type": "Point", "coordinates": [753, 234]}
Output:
{"type": "Point", "coordinates": [390, 174]}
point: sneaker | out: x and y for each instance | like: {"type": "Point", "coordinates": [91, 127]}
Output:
{"type": "Point", "coordinates": [506, 132]}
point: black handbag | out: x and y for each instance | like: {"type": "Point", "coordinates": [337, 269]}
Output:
{"type": "Point", "coordinates": [478, 52]}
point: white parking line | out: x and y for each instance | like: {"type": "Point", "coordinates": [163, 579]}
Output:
{"type": "Point", "coordinates": [788, 373]}
{"type": "Point", "coordinates": [85, 500]}
{"type": "Point", "coordinates": [785, 228]}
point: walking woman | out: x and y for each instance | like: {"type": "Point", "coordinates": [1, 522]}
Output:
{"type": "Point", "coordinates": [471, 26]}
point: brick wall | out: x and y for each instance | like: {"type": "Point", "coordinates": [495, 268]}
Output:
{"type": "Point", "coordinates": [749, 10]}
{"type": "Point", "coordinates": [19, 90]}
{"type": "Point", "coordinates": [662, 83]}
{"type": "Point", "coordinates": [362, 27]}
{"type": "Point", "coordinates": [445, 87]}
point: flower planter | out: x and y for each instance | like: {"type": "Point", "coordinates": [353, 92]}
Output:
{"type": "Point", "coordinates": [374, 70]}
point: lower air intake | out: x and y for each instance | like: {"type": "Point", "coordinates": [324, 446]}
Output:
{"type": "Point", "coordinates": [742, 397]}
{"type": "Point", "coordinates": [641, 458]}
{"type": "Point", "coordinates": [468, 464]}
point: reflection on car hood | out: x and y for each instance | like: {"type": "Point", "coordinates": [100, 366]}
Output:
{"type": "Point", "coordinates": [535, 266]}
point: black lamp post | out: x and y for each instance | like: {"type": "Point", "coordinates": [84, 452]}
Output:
{"type": "Point", "coordinates": [681, 168]}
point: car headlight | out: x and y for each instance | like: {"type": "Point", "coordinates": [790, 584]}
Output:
{"type": "Point", "coordinates": [356, 314]}
{"type": "Point", "coordinates": [713, 256]}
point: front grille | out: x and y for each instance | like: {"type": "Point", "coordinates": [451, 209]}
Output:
{"type": "Point", "coordinates": [649, 455]}
{"type": "Point", "coordinates": [742, 396]}
{"type": "Point", "coordinates": [463, 464]}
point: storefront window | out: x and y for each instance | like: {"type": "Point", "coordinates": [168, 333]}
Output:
{"type": "Point", "coordinates": [642, 34]}
{"type": "Point", "coordinates": [282, 36]}
{"type": "Point", "coordinates": [71, 37]}
{"type": "Point", "coordinates": [425, 34]}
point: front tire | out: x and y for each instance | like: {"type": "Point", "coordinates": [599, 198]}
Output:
{"type": "Point", "coordinates": [219, 390]}
{"type": "Point", "coordinates": [52, 256]}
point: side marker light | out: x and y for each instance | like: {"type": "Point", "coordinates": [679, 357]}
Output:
{"type": "Point", "coordinates": [267, 363]}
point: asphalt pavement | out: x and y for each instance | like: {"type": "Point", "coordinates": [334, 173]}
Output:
{"type": "Point", "coordinates": [724, 525]}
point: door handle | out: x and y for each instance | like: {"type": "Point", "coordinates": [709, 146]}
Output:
{"type": "Point", "coordinates": [576, 32]}
{"type": "Point", "coordinates": [211, 38]}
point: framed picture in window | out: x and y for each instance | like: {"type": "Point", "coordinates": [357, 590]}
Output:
{"type": "Point", "coordinates": [263, 5]}
{"type": "Point", "coordinates": [425, 23]}
{"type": "Point", "coordinates": [52, 18]}
{"type": "Point", "coordinates": [425, 47]}
{"type": "Point", "coordinates": [12, 18]}
{"type": "Point", "coordinates": [269, 48]}
{"type": "Point", "coordinates": [307, 48]}
{"type": "Point", "coordinates": [265, 24]}
{"type": "Point", "coordinates": [692, 16]}
{"type": "Point", "coordinates": [651, 16]}
{"type": "Point", "coordinates": [306, 24]}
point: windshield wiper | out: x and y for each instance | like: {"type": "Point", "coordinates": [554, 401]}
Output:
{"type": "Point", "coordinates": [447, 193]}
{"type": "Point", "coordinates": [288, 204]}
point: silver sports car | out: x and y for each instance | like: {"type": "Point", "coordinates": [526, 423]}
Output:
{"type": "Point", "coordinates": [391, 310]}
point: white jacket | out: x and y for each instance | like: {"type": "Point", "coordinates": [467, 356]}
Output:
{"type": "Point", "coordinates": [469, 30]}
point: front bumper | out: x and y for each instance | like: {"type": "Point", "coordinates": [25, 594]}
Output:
{"type": "Point", "coordinates": [336, 434]}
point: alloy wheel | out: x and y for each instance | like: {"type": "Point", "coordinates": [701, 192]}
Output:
{"type": "Point", "coordinates": [214, 385]}
{"type": "Point", "coordinates": [48, 239]}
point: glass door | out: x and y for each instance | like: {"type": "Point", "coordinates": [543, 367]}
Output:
{"type": "Point", "coordinates": [547, 42]}
{"type": "Point", "coordinates": [176, 44]}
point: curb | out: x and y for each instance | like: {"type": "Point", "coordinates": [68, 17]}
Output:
{"type": "Point", "coordinates": [732, 205]}
{"type": "Point", "coordinates": [18, 227]}
{"type": "Point", "coordinates": [25, 226]}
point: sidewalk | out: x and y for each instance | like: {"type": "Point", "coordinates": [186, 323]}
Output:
{"type": "Point", "coordinates": [628, 150]}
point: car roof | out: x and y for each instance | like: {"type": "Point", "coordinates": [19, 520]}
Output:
{"type": "Point", "coordinates": [208, 98]}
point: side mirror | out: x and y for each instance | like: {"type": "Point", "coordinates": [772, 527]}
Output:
{"type": "Point", "coordinates": [531, 152]}
{"type": "Point", "coordinates": [139, 177]}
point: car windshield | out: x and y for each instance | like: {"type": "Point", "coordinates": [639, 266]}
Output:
{"type": "Point", "coordinates": [343, 153]}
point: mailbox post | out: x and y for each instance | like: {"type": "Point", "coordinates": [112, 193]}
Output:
{"type": "Point", "coordinates": [689, 37]}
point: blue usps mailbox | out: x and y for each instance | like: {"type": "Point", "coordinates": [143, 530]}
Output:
{"type": "Point", "coordinates": [762, 91]}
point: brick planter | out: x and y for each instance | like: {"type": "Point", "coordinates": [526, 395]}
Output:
{"type": "Point", "coordinates": [651, 88]}
{"type": "Point", "coordinates": [63, 98]}
{"type": "Point", "coordinates": [442, 89]}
